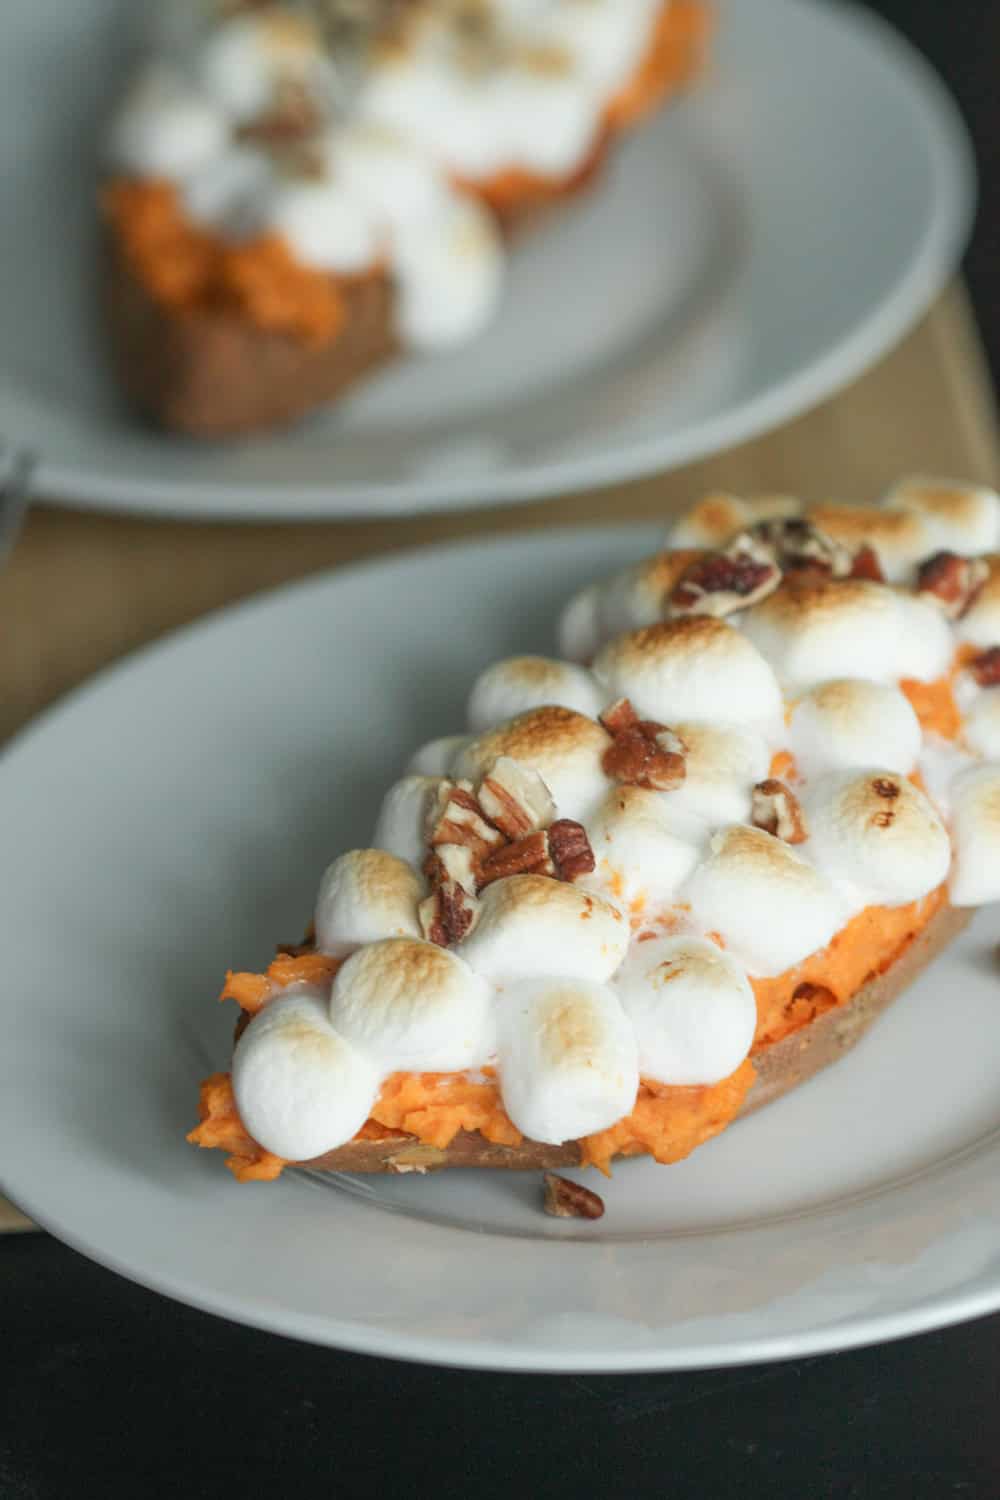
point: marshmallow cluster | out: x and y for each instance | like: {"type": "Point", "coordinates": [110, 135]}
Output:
{"type": "Point", "coordinates": [430, 109]}
{"type": "Point", "coordinates": [574, 989]}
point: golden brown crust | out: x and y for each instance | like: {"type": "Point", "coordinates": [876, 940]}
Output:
{"type": "Point", "coordinates": [780, 1068]}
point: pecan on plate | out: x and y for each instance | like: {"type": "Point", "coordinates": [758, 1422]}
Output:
{"type": "Point", "coordinates": [951, 581]}
{"type": "Point", "coordinates": [568, 1200]}
{"type": "Point", "coordinates": [643, 753]}
{"type": "Point", "coordinates": [775, 808]}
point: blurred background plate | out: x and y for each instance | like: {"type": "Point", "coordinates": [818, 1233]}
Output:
{"type": "Point", "coordinates": [749, 252]}
{"type": "Point", "coordinates": [172, 819]}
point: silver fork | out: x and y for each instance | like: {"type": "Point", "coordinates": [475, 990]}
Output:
{"type": "Point", "coordinates": [17, 468]}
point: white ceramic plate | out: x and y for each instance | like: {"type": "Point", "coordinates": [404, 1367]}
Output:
{"type": "Point", "coordinates": [172, 819]}
{"type": "Point", "coordinates": [750, 251]}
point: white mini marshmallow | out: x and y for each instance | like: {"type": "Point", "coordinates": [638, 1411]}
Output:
{"type": "Point", "coordinates": [414, 1006]}
{"type": "Point", "coordinates": [301, 1089]}
{"type": "Point", "coordinates": [980, 625]}
{"type": "Point", "coordinates": [449, 275]}
{"type": "Point", "coordinates": [850, 722]}
{"type": "Point", "coordinates": [926, 641]}
{"type": "Point", "coordinates": [722, 764]}
{"type": "Point", "coordinates": [437, 757]}
{"type": "Point", "coordinates": [364, 895]}
{"type": "Point", "coordinates": [222, 195]}
{"type": "Point", "coordinates": [565, 748]}
{"type": "Point", "coordinates": [982, 724]}
{"type": "Point", "coordinates": [813, 632]}
{"type": "Point", "coordinates": [975, 826]}
{"type": "Point", "coordinates": [963, 518]}
{"type": "Point", "coordinates": [711, 523]}
{"type": "Point", "coordinates": [640, 859]}
{"type": "Point", "coordinates": [519, 683]}
{"type": "Point", "coordinates": [692, 1007]}
{"type": "Point", "coordinates": [900, 537]}
{"type": "Point", "coordinates": [638, 596]}
{"type": "Point", "coordinates": [697, 668]}
{"type": "Point", "coordinates": [402, 821]}
{"type": "Point", "coordinates": [530, 925]}
{"type": "Point", "coordinates": [939, 763]}
{"type": "Point", "coordinates": [323, 226]}
{"type": "Point", "coordinates": [243, 59]}
{"type": "Point", "coordinates": [770, 907]}
{"type": "Point", "coordinates": [567, 1058]}
{"type": "Point", "coordinates": [579, 631]}
{"type": "Point", "coordinates": [877, 836]}
{"type": "Point", "coordinates": [164, 128]}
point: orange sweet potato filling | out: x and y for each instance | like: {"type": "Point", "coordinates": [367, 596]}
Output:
{"type": "Point", "coordinates": [191, 271]}
{"type": "Point", "coordinates": [934, 705]}
{"type": "Point", "coordinates": [251, 991]}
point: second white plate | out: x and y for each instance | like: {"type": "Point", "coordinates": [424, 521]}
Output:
{"type": "Point", "coordinates": [751, 250]}
{"type": "Point", "coordinates": [171, 820]}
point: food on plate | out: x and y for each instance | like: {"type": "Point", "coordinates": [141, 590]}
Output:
{"type": "Point", "coordinates": [661, 881]}
{"type": "Point", "coordinates": [299, 190]}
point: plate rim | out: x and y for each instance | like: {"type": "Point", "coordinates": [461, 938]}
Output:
{"type": "Point", "coordinates": [942, 1308]}
{"type": "Point", "coordinates": [951, 205]}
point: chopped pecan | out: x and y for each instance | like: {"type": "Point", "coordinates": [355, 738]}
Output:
{"type": "Point", "coordinates": [866, 565]}
{"type": "Point", "coordinates": [448, 914]}
{"type": "Point", "coordinates": [568, 1200]}
{"type": "Point", "coordinates": [644, 753]}
{"type": "Point", "coordinates": [569, 848]}
{"type": "Point", "coordinates": [515, 798]}
{"type": "Point", "coordinates": [722, 582]}
{"type": "Point", "coordinates": [951, 581]}
{"type": "Point", "coordinates": [775, 808]}
{"type": "Point", "coordinates": [985, 667]}
{"type": "Point", "coordinates": [529, 855]}
{"type": "Point", "coordinates": [457, 818]}
{"type": "Point", "coordinates": [291, 115]}
{"type": "Point", "coordinates": [798, 544]}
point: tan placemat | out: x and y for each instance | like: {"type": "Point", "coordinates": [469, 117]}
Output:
{"type": "Point", "coordinates": [81, 589]}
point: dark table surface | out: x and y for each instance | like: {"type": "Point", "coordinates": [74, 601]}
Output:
{"type": "Point", "coordinates": [110, 1389]}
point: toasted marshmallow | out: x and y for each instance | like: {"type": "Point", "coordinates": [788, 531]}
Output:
{"type": "Point", "coordinates": [520, 683]}
{"type": "Point", "coordinates": [364, 895]}
{"type": "Point", "coordinates": [982, 724]}
{"type": "Point", "coordinates": [437, 757]}
{"type": "Point", "coordinates": [530, 925]}
{"type": "Point", "coordinates": [980, 625]}
{"type": "Point", "coordinates": [301, 1089]}
{"type": "Point", "coordinates": [449, 273]}
{"type": "Point", "coordinates": [711, 523]}
{"type": "Point", "coordinates": [900, 537]}
{"type": "Point", "coordinates": [722, 763]}
{"type": "Point", "coordinates": [926, 643]}
{"type": "Point", "coordinates": [323, 226]}
{"type": "Point", "coordinates": [640, 858]}
{"type": "Point", "coordinates": [414, 1006]}
{"type": "Point", "coordinates": [564, 747]}
{"type": "Point", "coordinates": [579, 632]}
{"type": "Point", "coordinates": [769, 906]}
{"type": "Point", "coordinates": [697, 668]}
{"type": "Point", "coordinates": [849, 722]}
{"type": "Point", "coordinates": [567, 1058]}
{"type": "Point", "coordinates": [164, 128]}
{"type": "Point", "coordinates": [223, 194]}
{"type": "Point", "coordinates": [638, 596]}
{"type": "Point", "coordinates": [811, 632]}
{"type": "Point", "coordinates": [975, 826]}
{"type": "Point", "coordinates": [963, 518]}
{"type": "Point", "coordinates": [877, 836]}
{"type": "Point", "coordinates": [402, 821]}
{"type": "Point", "coordinates": [692, 1008]}
{"type": "Point", "coordinates": [940, 763]}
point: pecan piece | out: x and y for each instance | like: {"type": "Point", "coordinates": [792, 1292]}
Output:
{"type": "Point", "coordinates": [775, 808]}
{"type": "Point", "coordinates": [448, 914]}
{"type": "Point", "coordinates": [515, 798]}
{"type": "Point", "coordinates": [527, 856]}
{"type": "Point", "coordinates": [866, 565]}
{"type": "Point", "coordinates": [951, 581]}
{"type": "Point", "coordinates": [457, 818]}
{"type": "Point", "coordinates": [725, 581]}
{"type": "Point", "coordinates": [643, 753]}
{"type": "Point", "coordinates": [985, 667]}
{"type": "Point", "coordinates": [569, 848]}
{"type": "Point", "coordinates": [291, 116]}
{"type": "Point", "coordinates": [799, 544]}
{"type": "Point", "coordinates": [568, 1200]}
